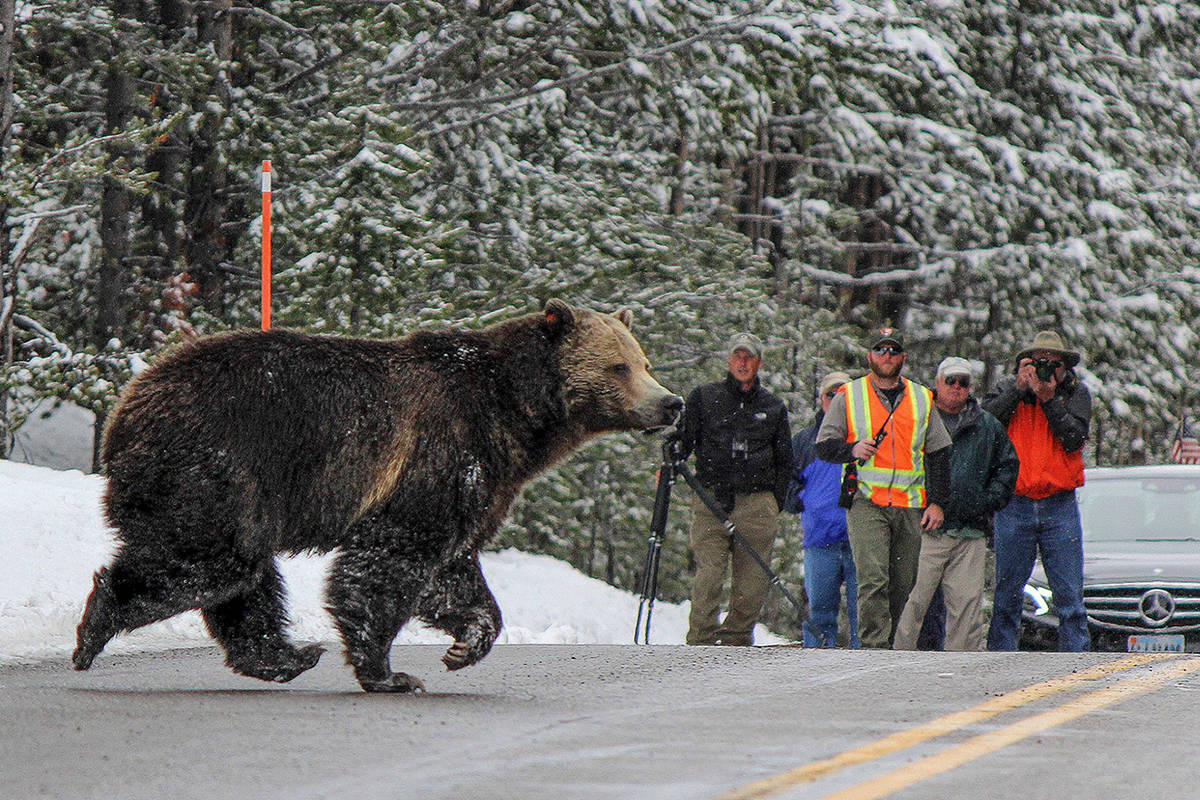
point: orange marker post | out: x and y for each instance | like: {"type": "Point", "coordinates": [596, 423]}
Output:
{"type": "Point", "coordinates": [266, 245]}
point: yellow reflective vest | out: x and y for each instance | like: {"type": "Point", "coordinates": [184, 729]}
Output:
{"type": "Point", "coordinates": [895, 475]}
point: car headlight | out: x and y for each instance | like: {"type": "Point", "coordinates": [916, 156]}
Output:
{"type": "Point", "coordinates": [1040, 597]}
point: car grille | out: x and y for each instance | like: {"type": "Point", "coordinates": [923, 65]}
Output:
{"type": "Point", "coordinates": [1144, 608]}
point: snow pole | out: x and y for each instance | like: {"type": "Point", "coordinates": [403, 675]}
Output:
{"type": "Point", "coordinates": [266, 245]}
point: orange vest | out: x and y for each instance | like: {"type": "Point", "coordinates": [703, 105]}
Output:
{"type": "Point", "coordinates": [1046, 468]}
{"type": "Point", "coordinates": [895, 475]}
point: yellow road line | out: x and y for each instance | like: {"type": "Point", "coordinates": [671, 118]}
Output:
{"type": "Point", "coordinates": [934, 728]}
{"type": "Point", "coordinates": [986, 743]}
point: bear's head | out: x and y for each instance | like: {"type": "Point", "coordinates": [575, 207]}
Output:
{"type": "Point", "coordinates": [606, 375]}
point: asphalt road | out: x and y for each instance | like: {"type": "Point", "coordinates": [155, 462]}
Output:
{"type": "Point", "coordinates": [555, 722]}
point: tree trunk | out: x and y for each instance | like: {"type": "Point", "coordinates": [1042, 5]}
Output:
{"type": "Point", "coordinates": [206, 209]}
{"type": "Point", "coordinates": [116, 202]}
{"type": "Point", "coordinates": [8, 280]}
{"type": "Point", "coordinates": [682, 156]}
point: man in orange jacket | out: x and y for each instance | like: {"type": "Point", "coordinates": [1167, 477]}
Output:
{"type": "Point", "coordinates": [1046, 411]}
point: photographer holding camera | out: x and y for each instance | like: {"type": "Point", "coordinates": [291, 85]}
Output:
{"type": "Point", "coordinates": [1046, 411]}
{"type": "Point", "coordinates": [739, 433]}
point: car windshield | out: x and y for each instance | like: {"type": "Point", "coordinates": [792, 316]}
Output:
{"type": "Point", "coordinates": [1144, 514]}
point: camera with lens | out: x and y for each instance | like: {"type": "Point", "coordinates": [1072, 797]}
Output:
{"type": "Point", "coordinates": [1044, 367]}
{"type": "Point", "coordinates": [740, 448]}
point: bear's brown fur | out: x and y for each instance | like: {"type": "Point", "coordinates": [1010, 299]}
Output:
{"type": "Point", "coordinates": [403, 455]}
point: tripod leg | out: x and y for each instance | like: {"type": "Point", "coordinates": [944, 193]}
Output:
{"type": "Point", "coordinates": [648, 585]}
{"type": "Point", "coordinates": [711, 503]}
{"type": "Point", "coordinates": [658, 527]}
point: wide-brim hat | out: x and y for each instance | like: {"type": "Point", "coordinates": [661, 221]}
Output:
{"type": "Point", "coordinates": [1051, 341]}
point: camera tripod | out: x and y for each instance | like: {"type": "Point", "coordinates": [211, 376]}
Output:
{"type": "Point", "coordinates": [674, 463]}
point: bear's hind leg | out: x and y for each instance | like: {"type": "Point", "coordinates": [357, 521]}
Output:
{"type": "Point", "coordinates": [146, 583]}
{"type": "Point", "coordinates": [99, 623]}
{"type": "Point", "coordinates": [371, 597]}
{"type": "Point", "coordinates": [250, 628]}
{"type": "Point", "coordinates": [460, 603]}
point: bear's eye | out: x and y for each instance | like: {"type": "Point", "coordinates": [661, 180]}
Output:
{"type": "Point", "coordinates": [621, 370]}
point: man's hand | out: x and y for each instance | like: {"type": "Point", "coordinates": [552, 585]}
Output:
{"type": "Point", "coordinates": [864, 449]}
{"type": "Point", "coordinates": [1027, 380]}
{"type": "Point", "coordinates": [1026, 374]}
{"type": "Point", "coordinates": [933, 517]}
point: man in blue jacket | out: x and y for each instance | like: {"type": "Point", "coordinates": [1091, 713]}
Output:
{"type": "Point", "coordinates": [828, 562]}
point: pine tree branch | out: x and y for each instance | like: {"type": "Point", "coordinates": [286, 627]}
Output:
{"type": "Point", "coordinates": [29, 324]}
{"type": "Point", "coordinates": [654, 54]}
{"type": "Point", "coordinates": [327, 61]}
{"type": "Point", "coordinates": [271, 18]}
{"type": "Point", "coordinates": [22, 219]}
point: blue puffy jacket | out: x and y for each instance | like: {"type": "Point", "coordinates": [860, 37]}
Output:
{"type": "Point", "coordinates": [813, 492]}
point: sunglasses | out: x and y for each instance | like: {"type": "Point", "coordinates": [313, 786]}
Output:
{"type": "Point", "coordinates": [959, 380]}
{"type": "Point", "coordinates": [887, 350]}
{"type": "Point", "coordinates": [832, 393]}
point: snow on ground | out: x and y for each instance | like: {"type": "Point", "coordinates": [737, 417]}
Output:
{"type": "Point", "coordinates": [53, 537]}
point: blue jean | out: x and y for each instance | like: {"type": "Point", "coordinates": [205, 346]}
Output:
{"type": "Point", "coordinates": [825, 570]}
{"type": "Point", "coordinates": [1024, 529]}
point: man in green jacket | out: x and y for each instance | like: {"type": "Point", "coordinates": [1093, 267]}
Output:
{"type": "Point", "coordinates": [983, 472]}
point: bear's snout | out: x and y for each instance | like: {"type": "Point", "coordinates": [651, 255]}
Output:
{"type": "Point", "coordinates": [668, 410]}
{"type": "Point", "coordinates": [671, 405]}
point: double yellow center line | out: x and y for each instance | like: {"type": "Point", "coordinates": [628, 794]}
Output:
{"type": "Point", "coordinates": [980, 745]}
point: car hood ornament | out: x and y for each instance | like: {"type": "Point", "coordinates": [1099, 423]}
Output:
{"type": "Point", "coordinates": [1157, 606]}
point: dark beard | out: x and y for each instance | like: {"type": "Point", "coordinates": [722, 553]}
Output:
{"type": "Point", "coordinates": [877, 369]}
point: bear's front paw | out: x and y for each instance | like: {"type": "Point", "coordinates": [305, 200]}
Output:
{"type": "Point", "coordinates": [458, 656]}
{"type": "Point", "coordinates": [395, 682]}
{"type": "Point", "coordinates": [279, 667]}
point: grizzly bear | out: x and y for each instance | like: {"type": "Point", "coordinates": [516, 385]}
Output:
{"type": "Point", "coordinates": [403, 456]}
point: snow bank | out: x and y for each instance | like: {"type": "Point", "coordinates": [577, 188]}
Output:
{"type": "Point", "coordinates": [53, 537]}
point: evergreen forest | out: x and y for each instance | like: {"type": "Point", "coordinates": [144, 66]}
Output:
{"type": "Point", "coordinates": [967, 172]}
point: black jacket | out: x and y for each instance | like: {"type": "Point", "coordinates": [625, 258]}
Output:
{"type": "Point", "coordinates": [741, 439]}
{"type": "Point", "coordinates": [983, 469]}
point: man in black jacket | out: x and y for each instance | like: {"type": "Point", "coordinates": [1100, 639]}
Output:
{"type": "Point", "coordinates": [739, 433]}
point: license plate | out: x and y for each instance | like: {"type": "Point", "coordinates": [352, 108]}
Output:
{"type": "Point", "coordinates": [1155, 643]}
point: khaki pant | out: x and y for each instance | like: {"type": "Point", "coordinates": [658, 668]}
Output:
{"type": "Point", "coordinates": [886, 542]}
{"type": "Point", "coordinates": [756, 516]}
{"type": "Point", "coordinates": [958, 564]}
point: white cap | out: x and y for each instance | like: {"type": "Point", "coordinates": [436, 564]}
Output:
{"type": "Point", "coordinates": [954, 366]}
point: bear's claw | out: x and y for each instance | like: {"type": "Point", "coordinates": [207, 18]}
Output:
{"type": "Point", "coordinates": [458, 656]}
{"type": "Point", "coordinates": [397, 682]}
{"type": "Point", "coordinates": [302, 659]}
{"type": "Point", "coordinates": [82, 659]}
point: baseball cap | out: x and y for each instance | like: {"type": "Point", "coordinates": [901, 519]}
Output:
{"type": "Point", "coordinates": [885, 336]}
{"type": "Point", "coordinates": [748, 342]}
{"type": "Point", "coordinates": [831, 380]}
{"type": "Point", "coordinates": [953, 365]}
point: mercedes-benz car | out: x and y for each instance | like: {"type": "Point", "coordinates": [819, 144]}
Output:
{"type": "Point", "coordinates": [1141, 571]}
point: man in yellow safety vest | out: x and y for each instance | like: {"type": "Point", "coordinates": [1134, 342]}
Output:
{"type": "Point", "coordinates": [883, 426]}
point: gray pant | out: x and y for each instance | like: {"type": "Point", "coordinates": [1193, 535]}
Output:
{"type": "Point", "coordinates": [958, 564]}
{"type": "Point", "coordinates": [756, 516]}
{"type": "Point", "coordinates": [886, 542]}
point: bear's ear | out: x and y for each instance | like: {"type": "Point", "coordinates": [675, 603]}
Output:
{"type": "Point", "coordinates": [625, 317]}
{"type": "Point", "coordinates": [559, 316]}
